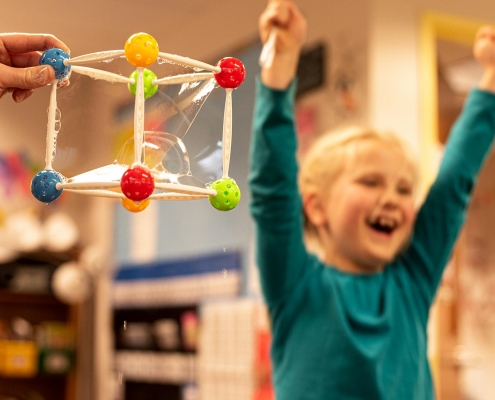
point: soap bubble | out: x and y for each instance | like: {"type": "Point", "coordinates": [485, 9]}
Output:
{"type": "Point", "coordinates": [168, 116]}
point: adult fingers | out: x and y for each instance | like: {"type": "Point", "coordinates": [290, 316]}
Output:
{"type": "Point", "coordinates": [30, 60]}
{"type": "Point", "coordinates": [25, 60]}
{"type": "Point", "coordinates": [25, 42]}
{"type": "Point", "coordinates": [25, 78]}
{"type": "Point", "coordinates": [21, 94]}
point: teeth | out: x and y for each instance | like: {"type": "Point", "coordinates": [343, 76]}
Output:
{"type": "Point", "coordinates": [385, 222]}
{"type": "Point", "coordinates": [389, 223]}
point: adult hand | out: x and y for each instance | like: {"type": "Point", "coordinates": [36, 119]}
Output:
{"type": "Point", "coordinates": [19, 58]}
{"type": "Point", "coordinates": [291, 34]}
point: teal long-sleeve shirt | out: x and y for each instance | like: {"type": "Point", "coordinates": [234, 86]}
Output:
{"type": "Point", "coordinates": [343, 336]}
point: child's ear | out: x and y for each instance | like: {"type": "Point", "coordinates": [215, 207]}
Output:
{"type": "Point", "coordinates": [314, 208]}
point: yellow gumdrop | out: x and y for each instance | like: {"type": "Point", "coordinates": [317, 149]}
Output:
{"type": "Point", "coordinates": [131, 206]}
{"type": "Point", "coordinates": [141, 50]}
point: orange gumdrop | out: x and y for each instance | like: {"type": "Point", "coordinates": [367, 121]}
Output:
{"type": "Point", "coordinates": [131, 206]}
{"type": "Point", "coordinates": [141, 50]}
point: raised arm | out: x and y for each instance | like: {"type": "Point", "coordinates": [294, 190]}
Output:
{"type": "Point", "coordinates": [284, 24]}
{"type": "Point", "coordinates": [443, 213]}
{"type": "Point", "coordinates": [276, 205]}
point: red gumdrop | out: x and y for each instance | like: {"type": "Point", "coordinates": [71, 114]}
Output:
{"type": "Point", "coordinates": [232, 74]}
{"type": "Point", "coordinates": [137, 183]}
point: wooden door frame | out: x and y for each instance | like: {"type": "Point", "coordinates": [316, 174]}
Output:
{"type": "Point", "coordinates": [434, 26]}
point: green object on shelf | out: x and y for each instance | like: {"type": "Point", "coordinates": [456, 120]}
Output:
{"type": "Point", "coordinates": [56, 361]}
{"type": "Point", "coordinates": [228, 194]}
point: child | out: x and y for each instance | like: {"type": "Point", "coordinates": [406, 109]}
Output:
{"type": "Point", "coordinates": [353, 325]}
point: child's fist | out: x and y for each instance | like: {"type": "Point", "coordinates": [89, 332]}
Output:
{"type": "Point", "coordinates": [484, 46]}
{"type": "Point", "coordinates": [292, 26]}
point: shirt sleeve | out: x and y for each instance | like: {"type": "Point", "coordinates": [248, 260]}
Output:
{"type": "Point", "coordinates": [443, 213]}
{"type": "Point", "coordinates": [275, 201]}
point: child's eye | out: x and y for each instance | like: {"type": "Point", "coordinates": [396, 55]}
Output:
{"type": "Point", "coordinates": [370, 182]}
{"type": "Point", "coordinates": [405, 190]}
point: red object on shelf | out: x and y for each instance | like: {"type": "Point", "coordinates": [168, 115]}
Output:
{"type": "Point", "coordinates": [137, 183]}
{"type": "Point", "coordinates": [232, 74]}
{"type": "Point", "coordinates": [264, 388]}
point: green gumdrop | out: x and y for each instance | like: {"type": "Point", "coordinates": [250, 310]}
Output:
{"type": "Point", "coordinates": [228, 194]}
{"type": "Point", "coordinates": [148, 77]}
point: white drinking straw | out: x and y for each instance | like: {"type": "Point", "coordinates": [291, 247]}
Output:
{"type": "Point", "coordinates": [104, 75]}
{"type": "Point", "coordinates": [227, 132]}
{"type": "Point", "coordinates": [175, 196]}
{"type": "Point", "coordinates": [178, 188]}
{"type": "Point", "coordinates": [268, 51]}
{"type": "Point", "coordinates": [189, 62]}
{"type": "Point", "coordinates": [51, 134]}
{"type": "Point", "coordinates": [88, 185]}
{"type": "Point", "coordinates": [98, 193]}
{"type": "Point", "coordinates": [92, 57]}
{"type": "Point", "coordinates": [169, 80]}
{"type": "Point", "coordinates": [139, 119]}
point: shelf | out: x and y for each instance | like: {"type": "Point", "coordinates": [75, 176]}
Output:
{"type": "Point", "coordinates": [50, 387]}
{"type": "Point", "coordinates": [149, 316]}
{"type": "Point", "coordinates": [32, 299]}
{"type": "Point", "coordinates": [146, 391]}
{"type": "Point", "coordinates": [145, 294]}
{"type": "Point", "coordinates": [35, 308]}
{"type": "Point", "coordinates": [154, 367]}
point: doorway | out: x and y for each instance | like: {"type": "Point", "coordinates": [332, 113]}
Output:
{"type": "Point", "coordinates": [463, 328]}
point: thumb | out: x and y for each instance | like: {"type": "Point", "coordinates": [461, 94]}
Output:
{"type": "Point", "coordinates": [26, 78]}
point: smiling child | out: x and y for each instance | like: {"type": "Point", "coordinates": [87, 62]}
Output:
{"type": "Point", "coordinates": [351, 323]}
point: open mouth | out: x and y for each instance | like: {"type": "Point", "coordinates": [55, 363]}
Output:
{"type": "Point", "coordinates": [383, 225]}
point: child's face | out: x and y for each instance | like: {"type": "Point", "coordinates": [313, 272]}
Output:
{"type": "Point", "coordinates": [370, 211]}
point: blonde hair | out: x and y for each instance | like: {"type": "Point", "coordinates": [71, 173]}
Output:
{"type": "Point", "coordinates": [329, 155]}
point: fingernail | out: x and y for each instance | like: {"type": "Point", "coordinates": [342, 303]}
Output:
{"type": "Point", "coordinates": [20, 96]}
{"type": "Point", "coordinates": [42, 77]}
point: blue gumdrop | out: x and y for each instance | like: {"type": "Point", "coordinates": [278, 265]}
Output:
{"type": "Point", "coordinates": [44, 186]}
{"type": "Point", "coordinates": [55, 58]}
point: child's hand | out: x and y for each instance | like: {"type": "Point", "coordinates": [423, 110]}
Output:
{"type": "Point", "coordinates": [290, 36]}
{"type": "Point", "coordinates": [19, 58]}
{"type": "Point", "coordinates": [484, 52]}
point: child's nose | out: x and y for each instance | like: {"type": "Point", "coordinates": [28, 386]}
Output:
{"type": "Point", "coordinates": [389, 198]}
